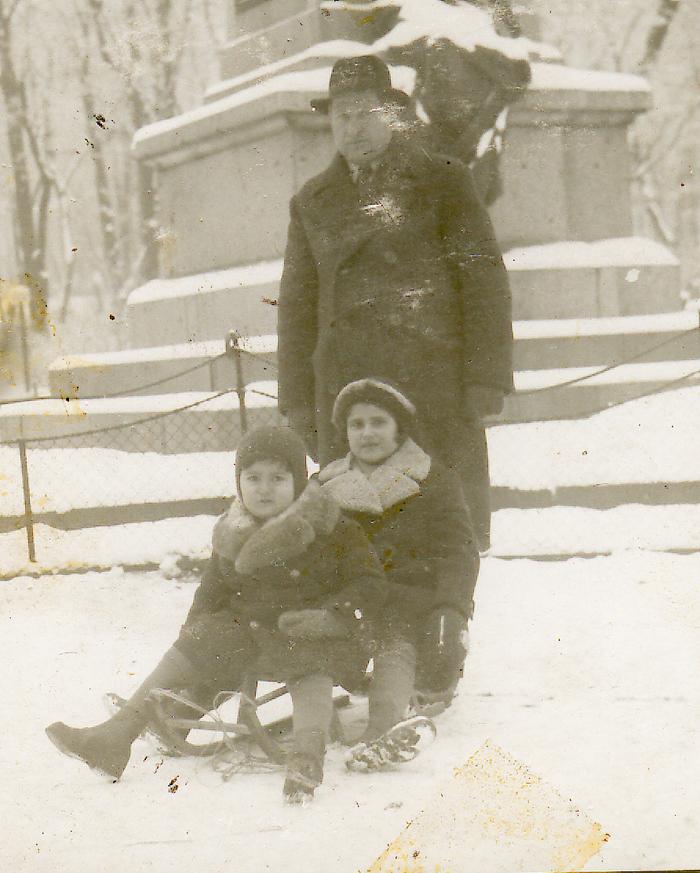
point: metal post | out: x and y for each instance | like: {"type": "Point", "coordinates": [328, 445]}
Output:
{"type": "Point", "coordinates": [234, 350]}
{"type": "Point", "coordinates": [28, 515]}
{"type": "Point", "coordinates": [25, 347]}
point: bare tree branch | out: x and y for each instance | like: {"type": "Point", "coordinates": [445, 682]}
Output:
{"type": "Point", "coordinates": [8, 14]}
{"type": "Point", "coordinates": [667, 10]}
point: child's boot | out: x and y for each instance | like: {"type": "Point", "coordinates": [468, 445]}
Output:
{"type": "Point", "coordinates": [304, 766]}
{"type": "Point", "coordinates": [390, 689]}
{"type": "Point", "coordinates": [312, 702]}
{"type": "Point", "coordinates": [106, 747]}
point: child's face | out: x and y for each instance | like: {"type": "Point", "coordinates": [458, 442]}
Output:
{"type": "Point", "coordinates": [267, 488]}
{"type": "Point", "coordinates": [372, 433]}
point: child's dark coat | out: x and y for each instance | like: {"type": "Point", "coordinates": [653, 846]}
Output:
{"type": "Point", "coordinates": [310, 557]}
{"type": "Point", "coordinates": [414, 514]}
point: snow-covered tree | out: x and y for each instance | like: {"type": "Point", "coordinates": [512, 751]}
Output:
{"type": "Point", "coordinates": [76, 80]}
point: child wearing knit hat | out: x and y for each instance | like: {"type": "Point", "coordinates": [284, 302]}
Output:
{"type": "Point", "coordinates": [285, 596]}
{"type": "Point", "coordinates": [413, 512]}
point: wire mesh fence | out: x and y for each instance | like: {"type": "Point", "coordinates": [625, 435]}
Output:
{"type": "Point", "coordinates": [132, 475]}
{"type": "Point", "coordinates": [151, 464]}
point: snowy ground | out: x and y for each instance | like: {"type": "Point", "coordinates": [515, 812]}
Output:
{"type": "Point", "coordinates": [551, 532]}
{"type": "Point", "coordinates": [585, 671]}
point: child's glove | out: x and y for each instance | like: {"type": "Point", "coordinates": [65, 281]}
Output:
{"type": "Point", "coordinates": [442, 650]}
{"type": "Point", "coordinates": [311, 624]}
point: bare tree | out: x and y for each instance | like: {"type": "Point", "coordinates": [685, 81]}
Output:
{"type": "Point", "coordinates": [142, 48]}
{"type": "Point", "coordinates": [666, 11]}
{"type": "Point", "coordinates": [148, 57]}
{"type": "Point", "coordinates": [31, 191]}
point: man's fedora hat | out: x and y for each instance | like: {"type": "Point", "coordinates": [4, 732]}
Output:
{"type": "Point", "coordinates": [362, 73]}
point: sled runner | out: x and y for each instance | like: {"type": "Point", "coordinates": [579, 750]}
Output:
{"type": "Point", "coordinates": [240, 738]}
{"type": "Point", "coordinates": [242, 741]}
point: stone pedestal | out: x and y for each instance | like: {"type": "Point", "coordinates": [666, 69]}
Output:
{"type": "Point", "coordinates": [565, 175]}
{"type": "Point", "coordinates": [581, 281]}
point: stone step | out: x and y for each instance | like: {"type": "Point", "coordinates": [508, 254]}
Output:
{"type": "Point", "coordinates": [605, 496]}
{"type": "Point", "coordinates": [204, 306]}
{"type": "Point", "coordinates": [549, 343]}
{"type": "Point", "coordinates": [539, 345]}
{"type": "Point", "coordinates": [216, 422]}
{"type": "Point", "coordinates": [537, 397]}
{"type": "Point", "coordinates": [161, 369]}
{"type": "Point", "coordinates": [153, 423]}
{"type": "Point", "coordinates": [571, 280]}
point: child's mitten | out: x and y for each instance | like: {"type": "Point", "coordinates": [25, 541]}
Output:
{"type": "Point", "coordinates": [311, 624]}
{"type": "Point", "coordinates": [443, 649]}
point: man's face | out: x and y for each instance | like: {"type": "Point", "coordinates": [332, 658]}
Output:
{"type": "Point", "coordinates": [361, 126]}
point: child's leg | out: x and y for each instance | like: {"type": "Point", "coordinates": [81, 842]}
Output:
{"type": "Point", "coordinates": [213, 650]}
{"type": "Point", "coordinates": [391, 687]}
{"type": "Point", "coordinates": [107, 746]}
{"type": "Point", "coordinates": [312, 702]}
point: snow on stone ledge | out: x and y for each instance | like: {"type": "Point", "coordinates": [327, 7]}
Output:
{"type": "Point", "coordinates": [143, 404]}
{"type": "Point", "coordinates": [150, 354]}
{"type": "Point", "coordinates": [330, 49]}
{"type": "Point", "coordinates": [258, 345]}
{"type": "Point", "coordinates": [312, 82]}
{"type": "Point", "coordinates": [617, 252]}
{"type": "Point", "coordinates": [249, 275]}
{"type": "Point", "coordinates": [657, 322]}
{"type": "Point", "coordinates": [557, 77]}
{"type": "Point", "coordinates": [464, 25]}
{"type": "Point", "coordinates": [631, 251]}
{"type": "Point", "coordinates": [570, 530]}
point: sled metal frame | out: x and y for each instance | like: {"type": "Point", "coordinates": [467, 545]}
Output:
{"type": "Point", "coordinates": [173, 731]}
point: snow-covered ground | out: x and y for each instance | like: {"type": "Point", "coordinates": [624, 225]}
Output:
{"type": "Point", "coordinates": [150, 542]}
{"type": "Point", "coordinates": [551, 532]}
{"type": "Point", "coordinates": [584, 671]}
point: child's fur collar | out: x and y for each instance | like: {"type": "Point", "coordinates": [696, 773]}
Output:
{"type": "Point", "coordinates": [397, 479]}
{"type": "Point", "coordinates": [250, 545]}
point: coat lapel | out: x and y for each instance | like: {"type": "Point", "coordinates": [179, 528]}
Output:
{"type": "Point", "coordinates": [396, 480]}
{"type": "Point", "coordinates": [289, 534]}
{"type": "Point", "coordinates": [336, 210]}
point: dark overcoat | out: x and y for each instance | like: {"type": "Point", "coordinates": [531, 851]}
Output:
{"type": "Point", "coordinates": [309, 558]}
{"type": "Point", "coordinates": [413, 513]}
{"type": "Point", "coordinates": [397, 277]}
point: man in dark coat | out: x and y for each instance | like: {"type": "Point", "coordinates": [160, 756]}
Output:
{"type": "Point", "coordinates": [392, 270]}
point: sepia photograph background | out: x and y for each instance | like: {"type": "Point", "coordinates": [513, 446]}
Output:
{"type": "Point", "coordinates": [149, 151]}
